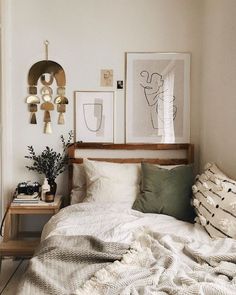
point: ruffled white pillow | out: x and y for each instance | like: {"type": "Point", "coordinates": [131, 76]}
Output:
{"type": "Point", "coordinates": [214, 199]}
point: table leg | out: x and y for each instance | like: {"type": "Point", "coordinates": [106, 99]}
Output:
{"type": "Point", "coordinates": [7, 228]}
{"type": "Point", "coordinates": [14, 226]}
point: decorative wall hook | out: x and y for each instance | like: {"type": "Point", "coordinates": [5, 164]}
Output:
{"type": "Point", "coordinates": [46, 72]}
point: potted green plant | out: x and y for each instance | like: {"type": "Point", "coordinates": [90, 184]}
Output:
{"type": "Point", "coordinates": [49, 162]}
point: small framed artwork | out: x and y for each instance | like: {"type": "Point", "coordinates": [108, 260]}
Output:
{"type": "Point", "coordinates": [157, 97]}
{"type": "Point", "coordinates": [94, 116]}
{"type": "Point", "coordinates": [106, 78]}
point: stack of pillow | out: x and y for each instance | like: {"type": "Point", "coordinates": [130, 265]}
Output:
{"type": "Point", "coordinates": [161, 189]}
{"type": "Point", "coordinates": [164, 191]}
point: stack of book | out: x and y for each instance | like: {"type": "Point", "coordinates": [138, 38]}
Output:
{"type": "Point", "coordinates": [26, 199]}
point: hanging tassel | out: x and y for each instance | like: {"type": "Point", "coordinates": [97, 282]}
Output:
{"type": "Point", "coordinates": [33, 119]}
{"type": "Point", "coordinates": [48, 128]}
{"type": "Point", "coordinates": [61, 108]}
{"type": "Point", "coordinates": [33, 109]}
{"type": "Point", "coordinates": [61, 119]}
{"type": "Point", "coordinates": [47, 117]}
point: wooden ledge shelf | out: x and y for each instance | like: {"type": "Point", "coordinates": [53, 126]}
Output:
{"type": "Point", "coordinates": [130, 146]}
{"type": "Point", "coordinates": [23, 244]}
{"type": "Point", "coordinates": [24, 248]}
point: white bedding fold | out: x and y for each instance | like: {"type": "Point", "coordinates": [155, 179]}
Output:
{"type": "Point", "coordinates": [115, 223]}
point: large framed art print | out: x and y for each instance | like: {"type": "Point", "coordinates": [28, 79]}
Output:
{"type": "Point", "coordinates": [94, 116]}
{"type": "Point", "coordinates": [157, 97]}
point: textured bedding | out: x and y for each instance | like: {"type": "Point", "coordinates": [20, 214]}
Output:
{"type": "Point", "coordinates": [163, 256]}
{"type": "Point", "coordinates": [115, 223]}
{"type": "Point", "coordinates": [63, 263]}
{"type": "Point", "coordinates": [155, 264]}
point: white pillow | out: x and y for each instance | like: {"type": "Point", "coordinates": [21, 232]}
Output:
{"type": "Point", "coordinates": [78, 192]}
{"type": "Point", "coordinates": [112, 182]}
{"type": "Point", "coordinates": [214, 199]}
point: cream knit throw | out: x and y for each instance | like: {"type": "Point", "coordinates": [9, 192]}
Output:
{"type": "Point", "coordinates": [166, 264]}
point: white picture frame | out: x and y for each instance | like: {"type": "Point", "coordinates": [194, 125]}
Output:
{"type": "Point", "coordinates": [94, 116]}
{"type": "Point", "coordinates": [157, 97]}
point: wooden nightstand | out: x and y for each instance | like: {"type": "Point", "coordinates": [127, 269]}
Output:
{"type": "Point", "coordinates": [23, 244]}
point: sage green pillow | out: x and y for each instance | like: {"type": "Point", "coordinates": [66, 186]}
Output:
{"type": "Point", "coordinates": [166, 191]}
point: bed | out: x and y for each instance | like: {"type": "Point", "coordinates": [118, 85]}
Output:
{"type": "Point", "coordinates": [105, 245]}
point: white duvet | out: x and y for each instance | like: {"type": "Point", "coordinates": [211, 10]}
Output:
{"type": "Point", "coordinates": [166, 256]}
{"type": "Point", "coordinates": [115, 223]}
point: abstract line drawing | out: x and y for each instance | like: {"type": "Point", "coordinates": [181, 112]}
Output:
{"type": "Point", "coordinates": [157, 97]}
{"type": "Point", "coordinates": [93, 115]}
{"type": "Point", "coordinates": [158, 92]}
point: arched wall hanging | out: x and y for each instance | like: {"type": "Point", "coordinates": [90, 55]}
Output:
{"type": "Point", "coordinates": [45, 72]}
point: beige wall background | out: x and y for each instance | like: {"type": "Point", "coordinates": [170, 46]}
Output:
{"type": "Point", "coordinates": [87, 36]}
{"type": "Point", "coordinates": [218, 92]}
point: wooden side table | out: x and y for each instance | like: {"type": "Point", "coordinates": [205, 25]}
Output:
{"type": "Point", "coordinates": [23, 244]}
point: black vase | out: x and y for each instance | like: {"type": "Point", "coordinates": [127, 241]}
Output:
{"type": "Point", "coordinates": [53, 186]}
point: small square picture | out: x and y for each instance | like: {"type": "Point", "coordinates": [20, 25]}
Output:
{"type": "Point", "coordinates": [106, 78]}
{"type": "Point", "coordinates": [120, 84]}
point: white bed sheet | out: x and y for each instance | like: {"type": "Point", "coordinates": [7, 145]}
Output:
{"type": "Point", "coordinates": [114, 223]}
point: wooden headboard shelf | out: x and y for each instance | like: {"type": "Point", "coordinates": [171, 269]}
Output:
{"type": "Point", "coordinates": [133, 146]}
{"type": "Point", "coordinates": [154, 147]}
{"type": "Point", "coordinates": [187, 159]}
{"type": "Point", "coordinates": [135, 160]}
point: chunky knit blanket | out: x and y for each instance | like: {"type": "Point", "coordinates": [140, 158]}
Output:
{"type": "Point", "coordinates": [63, 263]}
{"type": "Point", "coordinates": [155, 263]}
{"type": "Point", "coordinates": [167, 264]}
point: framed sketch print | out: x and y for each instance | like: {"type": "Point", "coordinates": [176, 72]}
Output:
{"type": "Point", "coordinates": [94, 116]}
{"type": "Point", "coordinates": [157, 97]}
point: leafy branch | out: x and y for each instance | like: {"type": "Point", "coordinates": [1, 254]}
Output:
{"type": "Point", "coordinates": [49, 162]}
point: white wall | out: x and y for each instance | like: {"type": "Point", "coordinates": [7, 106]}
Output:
{"type": "Point", "coordinates": [218, 74]}
{"type": "Point", "coordinates": [86, 36]}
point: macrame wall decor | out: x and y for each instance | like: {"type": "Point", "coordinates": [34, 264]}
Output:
{"type": "Point", "coordinates": [46, 73]}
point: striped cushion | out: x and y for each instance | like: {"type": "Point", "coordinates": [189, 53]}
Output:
{"type": "Point", "coordinates": [214, 199]}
